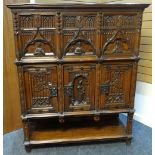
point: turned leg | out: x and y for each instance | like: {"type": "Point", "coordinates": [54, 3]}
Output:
{"type": "Point", "coordinates": [129, 123]}
{"type": "Point", "coordinates": [128, 141]}
{"type": "Point", "coordinates": [96, 117]}
{"type": "Point", "coordinates": [26, 129]}
{"type": "Point", "coordinates": [61, 119]}
{"type": "Point", "coordinates": [27, 148]}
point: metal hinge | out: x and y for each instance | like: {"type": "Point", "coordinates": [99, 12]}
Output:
{"type": "Point", "coordinates": [104, 88]}
{"type": "Point", "coordinates": [53, 90]}
{"type": "Point", "coordinates": [68, 90]}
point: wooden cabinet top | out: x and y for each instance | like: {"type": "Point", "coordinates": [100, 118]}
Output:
{"type": "Point", "coordinates": [73, 5]}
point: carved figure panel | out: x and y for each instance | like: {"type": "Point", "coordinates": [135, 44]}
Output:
{"type": "Point", "coordinates": [78, 89]}
{"type": "Point", "coordinates": [116, 80]}
{"type": "Point", "coordinates": [39, 45]}
{"type": "Point", "coordinates": [79, 34]}
{"type": "Point", "coordinates": [36, 33]}
{"type": "Point", "coordinates": [41, 88]}
{"type": "Point", "coordinates": [119, 42]}
{"type": "Point", "coordinates": [120, 33]}
{"type": "Point", "coordinates": [79, 43]}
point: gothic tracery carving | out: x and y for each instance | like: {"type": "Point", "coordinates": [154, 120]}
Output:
{"type": "Point", "coordinates": [79, 44]}
{"type": "Point", "coordinates": [38, 45]}
{"type": "Point", "coordinates": [41, 87]}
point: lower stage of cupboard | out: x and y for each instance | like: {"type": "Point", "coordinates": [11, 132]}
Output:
{"type": "Point", "coordinates": [50, 131]}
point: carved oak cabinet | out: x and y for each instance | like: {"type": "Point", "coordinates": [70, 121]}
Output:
{"type": "Point", "coordinates": [77, 66]}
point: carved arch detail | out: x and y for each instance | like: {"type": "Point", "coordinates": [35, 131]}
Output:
{"type": "Point", "coordinates": [79, 45]}
{"type": "Point", "coordinates": [117, 41]}
{"type": "Point", "coordinates": [38, 45]}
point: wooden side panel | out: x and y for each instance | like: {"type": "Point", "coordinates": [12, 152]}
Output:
{"type": "Point", "coordinates": [11, 103]}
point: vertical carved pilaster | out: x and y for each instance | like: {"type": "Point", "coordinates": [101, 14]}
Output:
{"type": "Point", "coordinates": [97, 102]}
{"type": "Point", "coordinates": [59, 34]}
{"type": "Point", "coordinates": [129, 123]}
{"type": "Point", "coordinates": [60, 89]}
{"type": "Point", "coordinates": [60, 93]}
{"type": "Point", "coordinates": [26, 129]}
{"type": "Point", "coordinates": [138, 27]}
{"type": "Point", "coordinates": [133, 84]}
{"type": "Point", "coordinates": [99, 24]}
{"type": "Point", "coordinates": [15, 23]}
{"type": "Point", "coordinates": [17, 35]}
{"type": "Point", "coordinates": [21, 89]}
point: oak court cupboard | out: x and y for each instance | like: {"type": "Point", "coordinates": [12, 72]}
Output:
{"type": "Point", "coordinates": [77, 66]}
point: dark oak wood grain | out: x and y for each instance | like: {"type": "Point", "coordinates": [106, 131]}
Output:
{"type": "Point", "coordinates": [78, 62]}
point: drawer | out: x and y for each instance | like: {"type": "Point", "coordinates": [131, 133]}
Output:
{"type": "Point", "coordinates": [40, 88]}
{"type": "Point", "coordinates": [79, 87]}
{"type": "Point", "coordinates": [115, 85]}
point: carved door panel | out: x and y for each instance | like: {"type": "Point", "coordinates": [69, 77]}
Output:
{"type": "Point", "coordinates": [115, 85]}
{"type": "Point", "coordinates": [79, 33]}
{"type": "Point", "coordinates": [79, 87]}
{"type": "Point", "coordinates": [120, 34]}
{"type": "Point", "coordinates": [40, 88]}
{"type": "Point", "coordinates": [35, 34]}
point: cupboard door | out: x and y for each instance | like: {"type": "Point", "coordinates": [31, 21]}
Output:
{"type": "Point", "coordinates": [79, 37]}
{"type": "Point", "coordinates": [40, 88]}
{"type": "Point", "coordinates": [79, 84]}
{"type": "Point", "coordinates": [115, 85]}
{"type": "Point", "coordinates": [35, 34]}
{"type": "Point", "coordinates": [120, 34]}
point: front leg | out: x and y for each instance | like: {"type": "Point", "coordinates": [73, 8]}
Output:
{"type": "Point", "coordinates": [129, 122]}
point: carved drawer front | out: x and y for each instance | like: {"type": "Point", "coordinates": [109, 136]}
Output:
{"type": "Point", "coordinates": [36, 33]}
{"type": "Point", "coordinates": [79, 33]}
{"type": "Point", "coordinates": [40, 88]}
{"type": "Point", "coordinates": [79, 84]}
{"type": "Point", "coordinates": [115, 85]}
{"type": "Point", "coordinates": [120, 33]}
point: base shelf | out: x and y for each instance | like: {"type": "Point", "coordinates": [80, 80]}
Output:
{"type": "Point", "coordinates": [50, 131]}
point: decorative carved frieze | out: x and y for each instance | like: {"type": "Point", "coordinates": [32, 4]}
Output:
{"type": "Point", "coordinates": [87, 21]}
{"type": "Point", "coordinates": [111, 21]}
